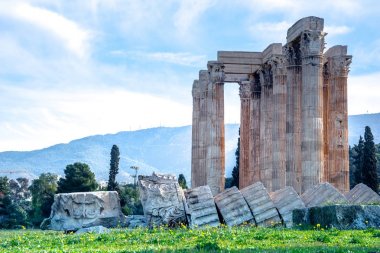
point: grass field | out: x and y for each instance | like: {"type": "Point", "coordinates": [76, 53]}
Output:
{"type": "Point", "coordinates": [238, 239]}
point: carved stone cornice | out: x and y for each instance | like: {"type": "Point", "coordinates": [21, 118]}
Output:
{"type": "Point", "coordinates": [266, 75]}
{"type": "Point", "coordinates": [277, 63]}
{"type": "Point", "coordinates": [338, 65]}
{"type": "Point", "coordinates": [312, 43]}
{"type": "Point", "coordinates": [196, 91]}
{"type": "Point", "coordinates": [292, 54]}
{"type": "Point", "coordinates": [216, 71]}
{"type": "Point", "coordinates": [245, 90]}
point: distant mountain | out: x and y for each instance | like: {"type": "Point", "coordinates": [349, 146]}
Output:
{"type": "Point", "coordinates": [163, 149]}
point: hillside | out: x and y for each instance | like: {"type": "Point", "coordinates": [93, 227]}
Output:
{"type": "Point", "coordinates": [161, 149]}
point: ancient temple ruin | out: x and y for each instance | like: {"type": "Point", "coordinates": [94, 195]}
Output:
{"type": "Point", "coordinates": [293, 129]}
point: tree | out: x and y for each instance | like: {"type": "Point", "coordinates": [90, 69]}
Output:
{"type": "Point", "coordinates": [235, 170]}
{"type": "Point", "coordinates": [369, 173]}
{"type": "Point", "coordinates": [130, 200]}
{"type": "Point", "coordinates": [12, 209]}
{"type": "Point", "coordinates": [182, 181]}
{"type": "Point", "coordinates": [357, 153]}
{"type": "Point", "coordinates": [43, 189]}
{"type": "Point", "coordinates": [114, 168]}
{"type": "Point", "coordinates": [5, 199]}
{"type": "Point", "coordinates": [78, 178]}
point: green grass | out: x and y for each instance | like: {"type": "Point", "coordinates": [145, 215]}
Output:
{"type": "Point", "coordinates": [238, 239]}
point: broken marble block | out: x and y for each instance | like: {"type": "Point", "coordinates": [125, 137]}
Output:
{"type": "Point", "coordinates": [286, 200]}
{"type": "Point", "coordinates": [261, 205]}
{"type": "Point", "coordinates": [322, 194]}
{"type": "Point", "coordinates": [232, 207]}
{"type": "Point", "coordinates": [72, 211]}
{"type": "Point", "coordinates": [362, 194]}
{"type": "Point", "coordinates": [339, 216]}
{"type": "Point", "coordinates": [162, 199]}
{"type": "Point", "coordinates": [201, 207]}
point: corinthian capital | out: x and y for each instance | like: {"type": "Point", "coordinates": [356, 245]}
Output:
{"type": "Point", "coordinates": [312, 43]}
{"type": "Point", "coordinates": [245, 90]}
{"type": "Point", "coordinates": [216, 71]}
{"type": "Point", "coordinates": [266, 75]}
{"type": "Point", "coordinates": [277, 63]}
{"type": "Point", "coordinates": [292, 54]}
{"type": "Point", "coordinates": [339, 65]}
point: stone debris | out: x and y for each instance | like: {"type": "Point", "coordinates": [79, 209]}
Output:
{"type": "Point", "coordinates": [72, 211]}
{"type": "Point", "coordinates": [362, 194]}
{"type": "Point", "coordinates": [162, 199]}
{"type": "Point", "coordinates": [95, 230]}
{"type": "Point", "coordinates": [232, 207]}
{"type": "Point", "coordinates": [339, 216]}
{"type": "Point", "coordinates": [135, 221]}
{"type": "Point", "coordinates": [286, 200]}
{"type": "Point", "coordinates": [201, 207]}
{"type": "Point", "coordinates": [322, 194]}
{"type": "Point", "coordinates": [261, 205]}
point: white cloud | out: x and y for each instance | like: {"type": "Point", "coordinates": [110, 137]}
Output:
{"type": "Point", "coordinates": [337, 30]}
{"type": "Point", "coordinates": [270, 32]}
{"type": "Point", "coordinates": [31, 119]}
{"type": "Point", "coordinates": [188, 14]}
{"type": "Point", "coordinates": [363, 94]}
{"type": "Point", "coordinates": [180, 58]}
{"type": "Point", "coordinates": [74, 37]}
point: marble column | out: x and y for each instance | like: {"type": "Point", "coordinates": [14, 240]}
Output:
{"type": "Point", "coordinates": [200, 142]}
{"type": "Point", "coordinates": [254, 146]}
{"type": "Point", "coordinates": [293, 115]}
{"type": "Point", "coordinates": [215, 162]}
{"type": "Point", "coordinates": [325, 124]}
{"type": "Point", "coordinates": [266, 115]}
{"type": "Point", "coordinates": [279, 122]}
{"type": "Point", "coordinates": [245, 162]}
{"type": "Point", "coordinates": [337, 131]}
{"type": "Point", "coordinates": [312, 45]}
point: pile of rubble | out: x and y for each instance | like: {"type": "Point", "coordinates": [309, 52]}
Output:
{"type": "Point", "coordinates": [166, 203]}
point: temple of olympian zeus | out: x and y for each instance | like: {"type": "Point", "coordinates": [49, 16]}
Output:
{"type": "Point", "coordinates": [293, 123]}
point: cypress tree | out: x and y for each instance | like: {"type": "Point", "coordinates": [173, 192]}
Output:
{"type": "Point", "coordinates": [358, 162]}
{"type": "Point", "coordinates": [235, 170]}
{"type": "Point", "coordinates": [114, 168]}
{"type": "Point", "coordinates": [182, 181]}
{"type": "Point", "coordinates": [369, 161]}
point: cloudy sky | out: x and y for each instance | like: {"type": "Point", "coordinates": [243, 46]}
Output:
{"type": "Point", "coordinates": [70, 69]}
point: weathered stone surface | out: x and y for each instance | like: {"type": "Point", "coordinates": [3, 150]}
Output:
{"type": "Point", "coordinates": [340, 216]}
{"type": "Point", "coordinates": [95, 230]}
{"type": "Point", "coordinates": [201, 207]}
{"type": "Point", "coordinates": [293, 114]}
{"type": "Point", "coordinates": [233, 207]}
{"type": "Point", "coordinates": [286, 200]}
{"type": "Point", "coordinates": [162, 199]}
{"type": "Point", "coordinates": [261, 205]}
{"type": "Point", "coordinates": [322, 194]}
{"type": "Point", "coordinates": [135, 221]}
{"type": "Point", "coordinates": [362, 194]}
{"type": "Point", "coordinates": [72, 211]}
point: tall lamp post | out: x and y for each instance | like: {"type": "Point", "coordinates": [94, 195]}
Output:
{"type": "Point", "coordinates": [136, 168]}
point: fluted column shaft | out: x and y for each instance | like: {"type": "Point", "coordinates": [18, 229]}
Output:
{"type": "Point", "coordinates": [337, 131]}
{"type": "Point", "coordinates": [279, 123]}
{"type": "Point", "coordinates": [293, 116]}
{"type": "Point", "coordinates": [312, 44]}
{"type": "Point", "coordinates": [245, 165]}
{"type": "Point", "coordinates": [215, 159]}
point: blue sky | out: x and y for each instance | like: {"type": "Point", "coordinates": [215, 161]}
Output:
{"type": "Point", "coordinates": [74, 68]}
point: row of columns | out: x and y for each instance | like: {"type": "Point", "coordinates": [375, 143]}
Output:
{"type": "Point", "coordinates": [294, 123]}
